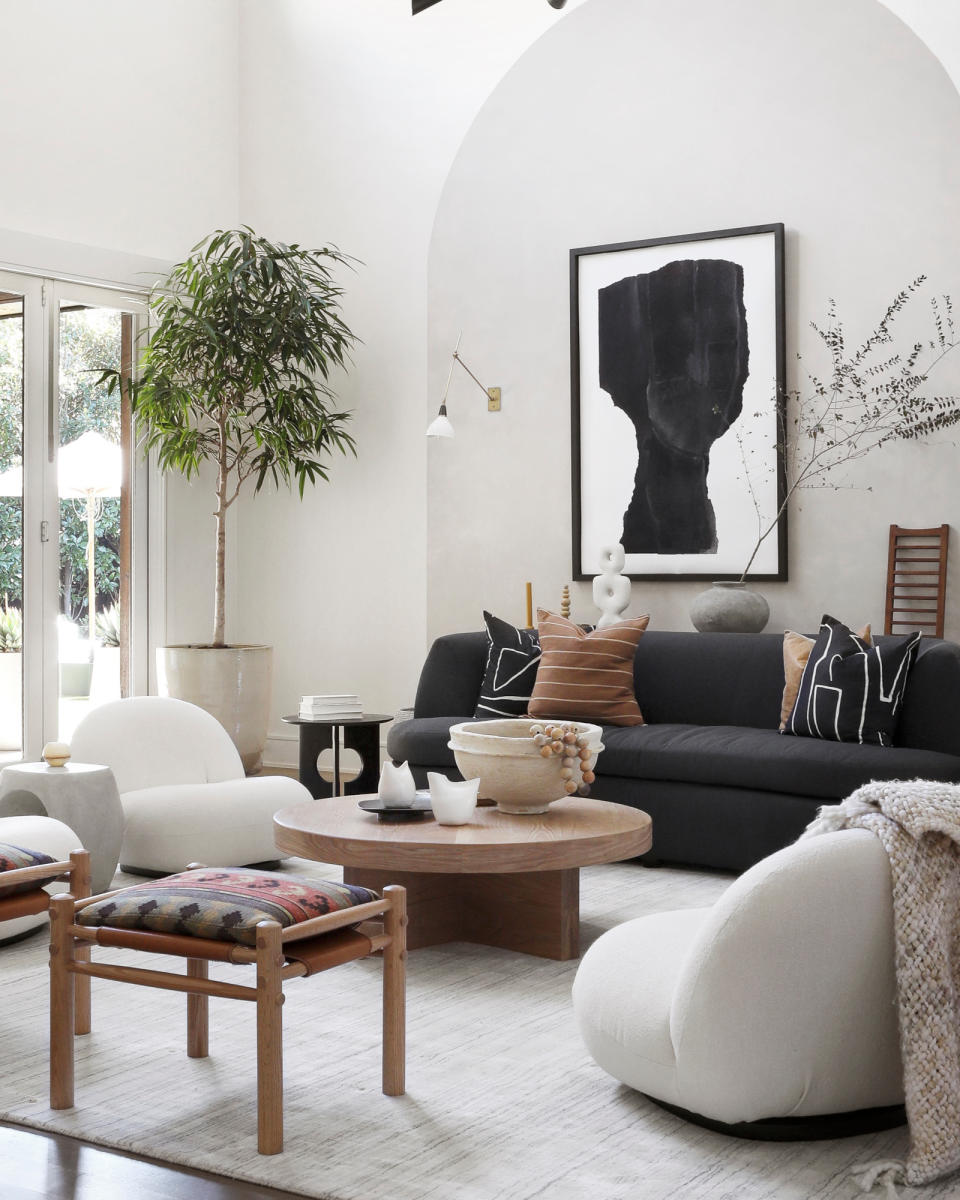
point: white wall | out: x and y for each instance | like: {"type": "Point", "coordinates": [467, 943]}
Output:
{"type": "Point", "coordinates": [120, 133]}
{"type": "Point", "coordinates": [682, 118]}
{"type": "Point", "coordinates": [350, 117]}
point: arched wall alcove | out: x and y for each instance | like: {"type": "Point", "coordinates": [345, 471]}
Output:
{"type": "Point", "coordinates": [632, 119]}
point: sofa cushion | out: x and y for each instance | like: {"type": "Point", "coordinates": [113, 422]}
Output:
{"type": "Point", "coordinates": [224, 905]}
{"type": "Point", "coordinates": [422, 741]}
{"type": "Point", "coordinates": [796, 655]}
{"type": "Point", "coordinates": [851, 691]}
{"type": "Point", "coordinates": [761, 759]}
{"type": "Point", "coordinates": [587, 676]}
{"type": "Point", "coordinates": [513, 656]}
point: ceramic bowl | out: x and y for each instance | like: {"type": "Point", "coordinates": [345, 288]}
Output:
{"type": "Point", "coordinates": [510, 767]}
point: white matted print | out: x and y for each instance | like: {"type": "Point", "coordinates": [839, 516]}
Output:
{"type": "Point", "coordinates": [678, 378]}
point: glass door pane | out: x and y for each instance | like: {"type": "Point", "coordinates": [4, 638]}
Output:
{"type": "Point", "coordinates": [11, 525]}
{"type": "Point", "coordinates": [94, 510]}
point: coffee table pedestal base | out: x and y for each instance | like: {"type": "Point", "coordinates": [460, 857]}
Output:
{"type": "Point", "coordinates": [534, 912]}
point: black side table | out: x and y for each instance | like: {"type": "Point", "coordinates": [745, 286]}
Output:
{"type": "Point", "coordinates": [360, 733]}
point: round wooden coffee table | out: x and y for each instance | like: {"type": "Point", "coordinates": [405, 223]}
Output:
{"type": "Point", "coordinates": [503, 880]}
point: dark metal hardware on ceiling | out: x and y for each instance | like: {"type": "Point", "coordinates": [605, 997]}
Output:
{"type": "Point", "coordinates": [420, 5]}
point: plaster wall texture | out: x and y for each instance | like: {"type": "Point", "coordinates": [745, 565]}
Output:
{"type": "Point", "coordinates": [350, 117]}
{"type": "Point", "coordinates": [630, 120]}
{"type": "Point", "coordinates": [339, 123]}
{"type": "Point", "coordinates": [121, 135]}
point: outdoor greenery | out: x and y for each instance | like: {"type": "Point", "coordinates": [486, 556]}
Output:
{"type": "Point", "coordinates": [11, 630]}
{"type": "Point", "coordinates": [88, 339]}
{"type": "Point", "coordinates": [868, 396]}
{"type": "Point", "coordinates": [247, 333]}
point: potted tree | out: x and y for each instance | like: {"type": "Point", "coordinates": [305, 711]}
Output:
{"type": "Point", "coordinates": [245, 335]}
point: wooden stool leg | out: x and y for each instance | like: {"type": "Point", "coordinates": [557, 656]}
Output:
{"type": "Point", "coordinates": [198, 1012]}
{"type": "Point", "coordinates": [269, 1038]}
{"type": "Point", "coordinates": [61, 1002]}
{"type": "Point", "coordinates": [80, 889]}
{"type": "Point", "coordinates": [394, 992]}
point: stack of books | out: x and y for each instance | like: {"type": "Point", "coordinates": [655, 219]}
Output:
{"type": "Point", "coordinates": [329, 707]}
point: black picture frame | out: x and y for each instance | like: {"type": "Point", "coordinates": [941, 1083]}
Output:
{"type": "Point", "coordinates": [728, 303]}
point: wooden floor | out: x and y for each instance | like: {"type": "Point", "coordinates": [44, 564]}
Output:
{"type": "Point", "coordinates": [50, 1166]}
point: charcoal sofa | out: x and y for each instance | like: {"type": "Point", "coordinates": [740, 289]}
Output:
{"type": "Point", "coordinates": [723, 786]}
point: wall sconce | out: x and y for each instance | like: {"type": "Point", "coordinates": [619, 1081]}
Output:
{"type": "Point", "coordinates": [440, 425]}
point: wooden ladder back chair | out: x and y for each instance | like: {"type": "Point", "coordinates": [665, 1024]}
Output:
{"type": "Point", "coordinates": [280, 954]}
{"type": "Point", "coordinates": [916, 580]}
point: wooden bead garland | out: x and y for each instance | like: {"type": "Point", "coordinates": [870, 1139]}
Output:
{"type": "Point", "coordinates": [574, 751]}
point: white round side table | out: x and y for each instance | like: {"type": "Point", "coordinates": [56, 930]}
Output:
{"type": "Point", "coordinates": [81, 795]}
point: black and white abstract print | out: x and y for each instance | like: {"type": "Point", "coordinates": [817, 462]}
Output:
{"type": "Point", "coordinates": [677, 381]}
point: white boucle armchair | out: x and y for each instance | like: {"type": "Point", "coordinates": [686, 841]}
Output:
{"type": "Point", "coordinates": [775, 1008]}
{"type": "Point", "coordinates": [184, 794]}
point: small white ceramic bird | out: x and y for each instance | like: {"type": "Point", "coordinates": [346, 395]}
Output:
{"type": "Point", "coordinates": [453, 801]}
{"type": "Point", "coordinates": [397, 787]}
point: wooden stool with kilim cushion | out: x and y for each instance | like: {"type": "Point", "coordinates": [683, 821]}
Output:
{"type": "Point", "coordinates": [286, 927]}
{"type": "Point", "coordinates": [23, 875]}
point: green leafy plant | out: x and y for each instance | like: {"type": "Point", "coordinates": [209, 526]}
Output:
{"type": "Point", "coordinates": [236, 372]}
{"type": "Point", "coordinates": [870, 395]}
{"type": "Point", "coordinates": [108, 626]}
{"type": "Point", "coordinates": [11, 630]}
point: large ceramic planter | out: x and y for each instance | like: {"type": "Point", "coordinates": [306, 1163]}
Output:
{"type": "Point", "coordinates": [232, 683]}
{"type": "Point", "coordinates": [729, 607]}
{"type": "Point", "coordinates": [11, 701]}
{"type": "Point", "coordinates": [510, 767]}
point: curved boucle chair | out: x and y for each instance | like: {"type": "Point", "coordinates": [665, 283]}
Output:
{"type": "Point", "coordinates": [775, 1008]}
{"type": "Point", "coordinates": [184, 794]}
{"type": "Point", "coordinates": [50, 837]}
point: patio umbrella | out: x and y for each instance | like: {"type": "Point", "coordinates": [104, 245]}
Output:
{"type": "Point", "coordinates": [89, 467]}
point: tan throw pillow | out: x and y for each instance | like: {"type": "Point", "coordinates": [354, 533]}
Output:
{"type": "Point", "coordinates": [587, 676]}
{"type": "Point", "coordinates": [796, 652]}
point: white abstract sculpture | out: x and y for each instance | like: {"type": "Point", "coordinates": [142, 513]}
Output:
{"type": "Point", "coordinates": [453, 801]}
{"type": "Point", "coordinates": [611, 590]}
{"type": "Point", "coordinates": [397, 788]}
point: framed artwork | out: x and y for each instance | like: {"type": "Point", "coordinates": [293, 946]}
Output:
{"type": "Point", "coordinates": [677, 387]}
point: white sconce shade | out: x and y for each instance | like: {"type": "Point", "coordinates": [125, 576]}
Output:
{"type": "Point", "coordinates": [440, 426]}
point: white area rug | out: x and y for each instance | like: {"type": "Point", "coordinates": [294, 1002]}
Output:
{"type": "Point", "coordinates": [503, 1102]}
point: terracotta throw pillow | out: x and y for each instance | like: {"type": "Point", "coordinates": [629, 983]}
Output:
{"type": "Point", "coordinates": [796, 653]}
{"type": "Point", "coordinates": [587, 676]}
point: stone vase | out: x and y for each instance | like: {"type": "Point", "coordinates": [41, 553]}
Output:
{"type": "Point", "coordinates": [729, 607]}
{"type": "Point", "coordinates": [233, 684]}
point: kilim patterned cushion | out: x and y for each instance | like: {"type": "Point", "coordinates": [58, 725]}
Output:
{"type": "Point", "coordinates": [587, 676]}
{"type": "Point", "coordinates": [15, 858]}
{"type": "Point", "coordinates": [224, 903]}
{"type": "Point", "coordinates": [851, 691]}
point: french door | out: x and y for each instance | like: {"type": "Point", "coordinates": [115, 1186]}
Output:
{"type": "Point", "coordinates": [73, 510]}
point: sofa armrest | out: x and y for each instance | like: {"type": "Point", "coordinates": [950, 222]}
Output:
{"type": "Point", "coordinates": [451, 677]}
{"type": "Point", "coordinates": [928, 718]}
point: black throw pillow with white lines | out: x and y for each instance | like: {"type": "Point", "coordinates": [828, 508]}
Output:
{"type": "Point", "coordinates": [851, 691]}
{"type": "Point", "coordinates": [513, 656]}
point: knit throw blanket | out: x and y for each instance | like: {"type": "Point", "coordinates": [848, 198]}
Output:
{"type": "Point", "coordinates": [918, 824]}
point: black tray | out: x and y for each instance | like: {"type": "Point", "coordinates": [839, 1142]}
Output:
{"type": "Point", "coordinates": [397, 816]}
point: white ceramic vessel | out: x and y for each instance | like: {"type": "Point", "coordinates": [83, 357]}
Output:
{"type": "Point", "coordinates": [232, 683]}
{"type": "Point", "coordinates": [397, 788]}
{"type": "Point", "coordinates": [510, 767]}
{"type": "Point", "coordinates": [453, 800]}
